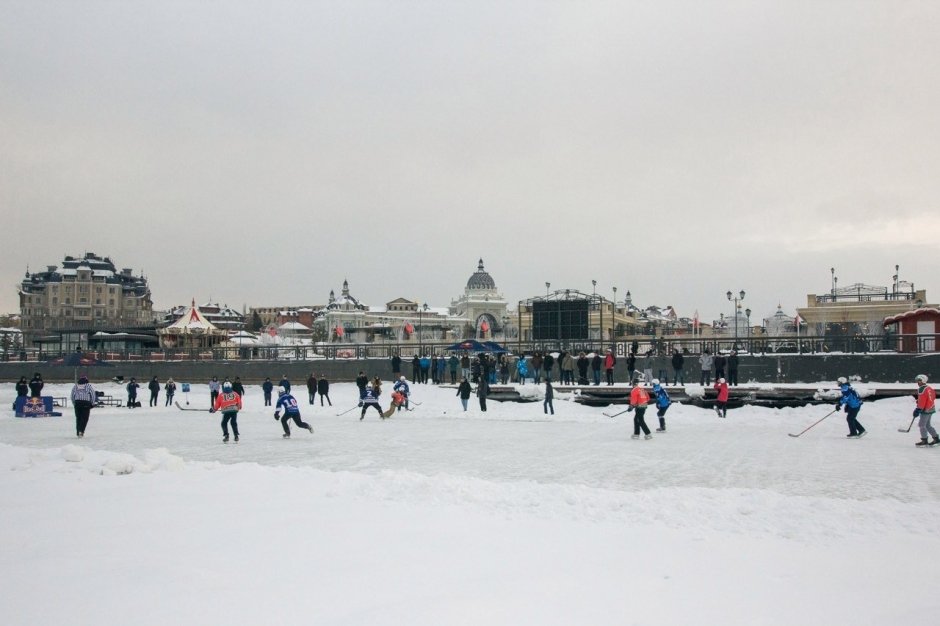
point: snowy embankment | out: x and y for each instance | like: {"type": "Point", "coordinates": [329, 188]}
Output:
{"type": "Point", "coordinates": [443, 517]}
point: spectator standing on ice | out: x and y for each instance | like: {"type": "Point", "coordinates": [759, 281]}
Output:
{"type": "Point", "coordinates": [441, 368]}
{"type": "Point", "coordinates": [214, 388]}
{"type": "Point", "coordinates": [706, 361]}
{"type": "Point", "coordinates": [170, 389]}
{"type": "Point", "coordinates": [416, 369]}
{"type": "Point", "coordinates": [483, 390]}
{"type": "Point", "coordinates": [323, 389]}
{"type": "Point", "coordinates": [311, 388]}
{"type": "Point", "coordinates": [291, 412]}
{"type": "Point", "coordinates": [22, 388]}
{"type": "Point", "coordinates": [926, 407]}
{"type": "Point", "coordinates": [549, 396]}
{"type": "Point", "coordinates": [504, 369]}
{"type": "Point", "coordinates": [238, 387]}
{"type": "Point", "coordinates": [362, 381]}
{"type": "Point", "coordinates": [132, 388]}
{"type": "Point", "coordinates": [721, 403]}
{"type": "Point", "coordinates": [267, 387]}
{"type": "Point", "coordinates": [853, 404]}
{"type": "Point", "coordinates": [454, 363]}
{"type": "Point", "coordinates": [631, 367]}
{"type": "Point", "coordinates": [36, 385]}
{"type": "Point", "coordinates": [678, 362]}
{"type": "Point", "coordinates": [229, 404]}
{"type": "Point", "coordinates": [639, 399]}
{"type": "Point", "coordinates": [425, 369]}
{"type": "Point", "coordinates": [154, 387]}
{"type": "Point", "coordinates": [648, 366]}
{"type": "Point", "coordinates": [596, 362]}
{"type": "Point", "coordinates": [582, 365]}
{"type": "Point", "coordinates": [83, 398]}
{"type": "Point", "coordinates": [464, 391]}
{"type": "Point", "coordinates": [465, 365]}
{"type": "Point", "coordinates": [567, 365]}
{"type": "Point", "coordinates": [285, 383]}
{"type": "Point", "coordinates": [396, 366]}
{"type": "Point", "coordinates": [662, 404]}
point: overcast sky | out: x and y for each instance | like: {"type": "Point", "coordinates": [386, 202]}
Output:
{"type": "Point", "coordinates": [260, 153]}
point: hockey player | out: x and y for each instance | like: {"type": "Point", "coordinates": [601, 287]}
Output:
{"type": "Point", "coordinates": [398, 399]}
{"type": "Point", "coordinates": [639, 398]}
{"type": "Point", "coordinates": [291, 412]}
{"type": "Point", "coordinates": [229, 403]}
{"type": "Point", "coordinates": [401, 386]}
{"type": "Point", "coordinates": [926, 399]}
{"type": "Point", "coordinates": [853, 404]}
{"type": "Point", "coordinates": [371, 398]}
{"type": "Point", "coordinates": [662, 404]}
{"type": "Point", "coordinates": [83, 399]}
{"type": "Point", "coordinates": [721, 403]}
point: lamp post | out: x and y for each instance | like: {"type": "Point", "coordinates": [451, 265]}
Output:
{"type": "Point", "coordinates": [547, 287]}
{"type": "Point", "coordinates": [747, 313]}
{"type": "Point", "coordinates": [594, 305]}
{"type": "Point", "coordinates": [421, 310]}
{"type": "Point", "coordinates": [613, 319]}
{"type": "Point", "coordinates": [736, 300]}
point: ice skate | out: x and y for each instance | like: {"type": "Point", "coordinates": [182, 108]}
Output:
{"type": "Point", "coordinates": [660, 430]}
{"type": "Point", "coordinates": [310, 429]}
{"type": "Point", "coordinates": [922, 443]}
{"type": "Point", "coordinates": [236, 438]}
{"type": "Point", "coordinates": [285, 436]}
{"type": "Point", "coordinates": [224, 438]}
{"type": "Point", "coordinates": [862, 434]}
{"type": "Point", "coordinates": [647, 437]}
{"type": "Point", "coordinates": [634, 436]}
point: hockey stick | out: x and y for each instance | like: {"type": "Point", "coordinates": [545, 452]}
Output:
{"type": "Point", "coordinates": [347, 411]}
{"type": "Point", "coordinates": [908, 429]}
{"type": "Point", "coordinates": [813, 424]}
{"type": "Point", "coordinates": [182, 408]}
{"type": "Point", "coordinates": [616, 414]}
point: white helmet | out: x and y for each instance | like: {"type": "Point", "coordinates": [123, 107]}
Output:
{"type": "Point", "coordinates": [842, 380]}
{"type": "Point", "coordinates": [655, 381]}
{"type": "Point", "coordinates": [281, 390]}
{"type": "Point", "coordinates": [402, 379]}
{"type": "Point", "coordinates": [721, 380]}
{"type": "Point", "coordinates": [921, 378]}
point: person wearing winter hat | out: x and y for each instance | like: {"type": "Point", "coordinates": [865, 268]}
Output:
{"type": "Point", "coordinates": [721, 403]}
{"type": "Point", "coordinates": [853, 404]}
{"type": "Point", "coordinates": [291, 412]}
{"type": "Point", "coordinates": [926, 401]}
{"type": "Point", "coordinates": [662, 404]}
{"type": "Point", "coordinates": [639, 398]}
{"type": "Point", "coordinates": [83, 398]}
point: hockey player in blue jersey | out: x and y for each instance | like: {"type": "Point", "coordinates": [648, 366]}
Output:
{"type": "Point", "coordinates": [371, 398]}
{"type": "Point", "coordinates": [291, 412]}
{"type": "Point", "coordinates": [853, 404]}
{"type": "Point", "coordinates": [662, 404]}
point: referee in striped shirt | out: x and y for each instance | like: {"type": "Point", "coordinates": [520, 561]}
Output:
{"type": "Point", "coordinates": [83, 398]}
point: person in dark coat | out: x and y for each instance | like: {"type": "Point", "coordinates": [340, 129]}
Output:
{"type": "Point", "coordinates": [312, 388]}
{"type": "Point", "coordinates": [631, 366]}
{"type": "Point", "coordinates": [720, 363]}
{"type": "Point", "coordinates": [733, 368]}
{"type": "Point", "coordinates": [154, 387]}
{"type": "Point", "coordinates": [323, 388]}
{"type": "Point", "coordinates": [132, 388]}
{"type": "Point", "coordinates": [238, 387]}
{"type": "Point", "coordinates": [547, 364]}
{"type": "Point", "coordinates": [362, 381]}
{"type": "Point", "coordinates": [36, 385]}
{"type": "Point", "coordinates": [582, 368]}
{"type": "Point", "coordinates": [483, 390]}
{"type": "Point", "coordinates": [267, 387]}
{"type": "Point", "coordinates": [596, 362]}
{"type": "Point", "coordinates": [22, 389]}
{"type": "Point", "coordinates": [549, 395]}
{"type": "Point", "coordinates": [416, 369]}
{"type": "Point", "coordinates": [678, 362]}
{"type": "Point", "coordinates": [396, 366]}
{"type": "Point", "coordinates": [284, 383]}
{"type": "Point", "coordinates": [169, 389]}
{"type": "Point", "coordinates": [464, 391]}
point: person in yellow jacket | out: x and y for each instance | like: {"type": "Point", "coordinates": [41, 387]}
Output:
{"type": "Point", "coordinates": [639, 398]}
{"type": "Point", "coordinates": [229, 403]}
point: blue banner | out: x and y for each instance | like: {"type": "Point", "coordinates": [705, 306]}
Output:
{"type": "Point", "coordinates": [35, 407]}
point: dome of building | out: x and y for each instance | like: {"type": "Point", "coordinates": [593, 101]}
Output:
{"type": "Point", "coordinates": [481, 279]}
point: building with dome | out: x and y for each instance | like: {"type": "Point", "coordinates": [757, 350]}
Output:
{"type": "Point", "coordinates": [482, 306]}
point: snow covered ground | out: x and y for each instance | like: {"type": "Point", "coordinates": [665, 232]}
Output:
{"type": "Point", "coordinates": [437, 516]}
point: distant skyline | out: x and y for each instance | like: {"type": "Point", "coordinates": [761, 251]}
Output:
{"type": "Point", "coordinates": [260, 153]}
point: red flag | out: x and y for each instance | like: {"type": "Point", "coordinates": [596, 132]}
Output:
{"type": "Point", "coordinates": [484, 326]}
{"type": "Point", "coordinates": [339, 331]}
{"type": "Point", "coordinates": [409, 328]}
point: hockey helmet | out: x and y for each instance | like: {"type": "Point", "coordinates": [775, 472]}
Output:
{"type": "Point", "coordinates": [281, 390]}
{"type": "Point", "coordinates": [921, 378]}
{"type": "Point", "coordinates": [842, 380]}
{"type": "Point", "coordinates": [721, 380]}
{"type": "Point", "coordinates": [227, 386]}
{"type": "Point", "coordinates": [402, 379]}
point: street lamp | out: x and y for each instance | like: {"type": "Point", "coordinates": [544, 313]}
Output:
{"type": "Point", "coordinates": [421, 310]}
{"type": "Point", "coordinates": [594, 305]}
{"type": "Point", "coordinates": [613, 313]}
{"type": "Point", "coordinates": [736, 299]}
{"type": "Point", "coordinates": [747, 313]}
{"type": "Point", "coordinates": [547, 287]}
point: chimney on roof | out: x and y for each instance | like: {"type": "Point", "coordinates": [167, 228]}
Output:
{"type": "Point", "coordinates": [126, 271]}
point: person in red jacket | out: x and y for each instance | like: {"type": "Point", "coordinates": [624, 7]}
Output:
{"type": "Point", "coordinates": [721, 404]}
{"type": "Point", "coordinates": [609, 361]}
{"type": "Point", "coordinates": [229, 403]}
{"type": "Point", "coordinates": [639, 398]}
{"type": "Point", "coordinates": [926, 407]}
